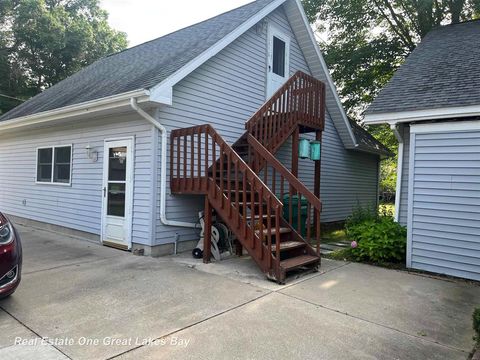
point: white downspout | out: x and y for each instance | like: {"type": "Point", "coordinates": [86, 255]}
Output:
{"type": "Point", "coordinates": [163, 170]}
{"type": "Point", "coordinates": [398, 189]}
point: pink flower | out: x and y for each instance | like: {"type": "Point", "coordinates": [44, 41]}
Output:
{"type": "Point", "coordinates": [354, 244]}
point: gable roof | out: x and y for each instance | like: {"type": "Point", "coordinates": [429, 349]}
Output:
{"type": "Point", "coordinates": [150, 70]}
{"type": "Point", "coordinates": [442, 72]}
{"type": "Point", "coordinates": [140, 67]}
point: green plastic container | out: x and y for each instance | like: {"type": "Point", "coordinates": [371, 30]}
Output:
{"type": "Point", "coordinates": [294, 199]}
{"type": "Point", "coordinates": [303, 148]}
{"type": "Point", "coordinates": [315, 150]}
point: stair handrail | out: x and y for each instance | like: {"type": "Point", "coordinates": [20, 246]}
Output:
{"type": "Point", "coordinates": [301, 100]}
{"type": "Point", "coordinates": [196, 172]}
{"type": "Point", "coordinates": [292, 179]}
{"type": "Point", "coordinates": [272, 166]}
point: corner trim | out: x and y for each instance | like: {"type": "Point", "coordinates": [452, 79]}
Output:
{"type": "Point", "coordinates": [411, 168]}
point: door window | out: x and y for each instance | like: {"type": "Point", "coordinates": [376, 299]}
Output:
{"type": "Point", "coordinates": [278, 61]}
{"type": "Point", "coordinates": [117, 174]}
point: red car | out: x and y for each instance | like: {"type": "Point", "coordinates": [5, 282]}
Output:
{"type": "Point", "coordinates": [10, 257]}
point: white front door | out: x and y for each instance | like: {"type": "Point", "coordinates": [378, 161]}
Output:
{"type": "Point", "coordinates": [117, 193]}
{"type": "Point", "coordinates": [278, 70]}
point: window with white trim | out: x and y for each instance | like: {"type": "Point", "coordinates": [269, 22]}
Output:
{"type": "Point", "coordinates": [54, 164]}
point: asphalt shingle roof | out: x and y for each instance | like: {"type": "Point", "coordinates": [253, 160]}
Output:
{"type": "Point", "coordinates": [140, 67]}
{"type": "Point", "coordinates": [366, 141]}
{"type": "Point", "coordinates": [443, 71]}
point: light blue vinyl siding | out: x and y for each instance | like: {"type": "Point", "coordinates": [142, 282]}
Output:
{"type": "Point", "coordinates": [77, 206]}
{"type": "Point", "coordinates": [445, 218]}
{"type": "Point", "coordinates": [225, 92]}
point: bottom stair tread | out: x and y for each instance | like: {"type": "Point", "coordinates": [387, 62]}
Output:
{"type": "Point", "coordinates": [286, 245]}
{"type": "Point", "coordinates": [298, 261]}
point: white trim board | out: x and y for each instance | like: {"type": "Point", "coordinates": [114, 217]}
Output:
{"type": "Point", "coordinates": [450, 126]}
{"type": "Point", "coordinates": [398, 186]}
{"type": "Point", "coordinates": [411, 168]}
{"type": "Point", "coordinates": [422, 115]}
{"type": "Point", "coordinates": [75, 110]}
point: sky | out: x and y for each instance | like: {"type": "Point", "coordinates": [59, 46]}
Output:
{"type": "Point", "coordinates": [145, 20]}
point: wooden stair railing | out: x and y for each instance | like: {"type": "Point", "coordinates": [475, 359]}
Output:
{"type": "Point", "coordinates": [237, 194]}
{"type": "Point", "coordinates": [201, 162]}
{"type": "Point", "coordinates": [299, 102]}
{"type": "Point", "coordinates": [283, 183]}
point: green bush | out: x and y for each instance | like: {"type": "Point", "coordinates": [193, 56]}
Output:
{"type": "Point", "coordinates": [476, 323]}
{"type": "Point", "coordinates": [378, 240]}
{"type": "Point", "coordinates": [361, 214]}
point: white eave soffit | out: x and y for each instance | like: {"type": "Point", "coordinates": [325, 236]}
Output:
{"type": "Point", "coordinates": [423, 115]}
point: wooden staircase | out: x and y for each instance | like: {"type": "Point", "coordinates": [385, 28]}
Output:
{"type": "Point", "coordinates": [247, 185]}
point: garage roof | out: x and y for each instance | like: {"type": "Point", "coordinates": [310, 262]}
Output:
{"type": "Point", "coordinates": [442, 72]}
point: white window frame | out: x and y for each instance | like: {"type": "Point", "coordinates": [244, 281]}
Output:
{"type": "Point", "coordinates": [51, 182]}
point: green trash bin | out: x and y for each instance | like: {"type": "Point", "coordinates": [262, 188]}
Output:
{"type": "Point", "coordinates": [294, 199]}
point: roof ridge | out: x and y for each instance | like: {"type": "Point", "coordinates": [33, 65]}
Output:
{"type": "Point", "coordinates": [440, 27]}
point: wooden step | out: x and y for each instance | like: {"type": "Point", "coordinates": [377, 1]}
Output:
{"type": "Point", "coordinates": [288, 245]}
{"type": "Point", "coordinates": [264, 216]}
{"type": "Point", "coordinates": [298, 261]}
{"type": "Point", "coordinates": [274, 231]}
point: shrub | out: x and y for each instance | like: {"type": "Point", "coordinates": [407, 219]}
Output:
{"type": "Point", "coordinates": [476, 323]}
{"type": "Point", "coordinates": [378, 240]}
{"type": "Point", "coordinates": [361, 214]}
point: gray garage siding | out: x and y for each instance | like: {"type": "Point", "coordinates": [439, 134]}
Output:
{"type": "Point", "coordinates": [77, 206]}
{"type": "Point", "coordinates": [444, 224]}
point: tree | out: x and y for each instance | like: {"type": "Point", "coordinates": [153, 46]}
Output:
{"type": "Point", "coordinates": [45, 41]}
{"type": "Point", "coordinates": [365, 41]}
{"type": "Point", "coordinates": [368, 39]}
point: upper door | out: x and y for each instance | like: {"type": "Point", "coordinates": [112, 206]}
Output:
{"type": "Point", "coordinates": [117, 193]}
{"type": "Point", "coordinates": [278, 70]}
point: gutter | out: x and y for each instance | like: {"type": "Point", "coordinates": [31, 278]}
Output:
{"type": "Point", "coordinates": [84, 108]}
{"type": "Point", "coordinates": [163, 169]}
{"type": "Point", "coordinates": [398, 188]}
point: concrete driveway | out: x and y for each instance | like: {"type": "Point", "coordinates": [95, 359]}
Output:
{"type": "Point", "coordinates": [91, 302]}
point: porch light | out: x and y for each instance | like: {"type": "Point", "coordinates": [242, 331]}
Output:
{"type": "Point", "coordinates": [303, 148]}
{"type": "Point", "coordinates": [91, 153]}
{"type": "Point", "coordinates": [315, 150]}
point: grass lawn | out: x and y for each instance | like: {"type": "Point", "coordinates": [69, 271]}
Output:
{"type": "Point", "coordinates": [334, 236]}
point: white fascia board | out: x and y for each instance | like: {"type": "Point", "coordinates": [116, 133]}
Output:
{"type": "Point", "coordinates": [328, 77]}
{"type": "Point", "coordinates": [449, 126]}
{"type": "Point", "coordinates": [161, 91]}
{"type": "Point", "coordinates": [422, 115]}
{"type": "Point", "coordinates": [106, 103]}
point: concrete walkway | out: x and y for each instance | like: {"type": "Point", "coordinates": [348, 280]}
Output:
{"type": "Point", "coordinates": [91, 302]}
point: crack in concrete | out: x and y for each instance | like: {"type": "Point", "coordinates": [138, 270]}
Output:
{"type": "Point", "coordinates": [33, 331]}
{"type": "Point", "coordinates": [192, 324]}
{"type": "Point", "coordinates": [374, 323]}
{"type": "Point", "coordinates": [69, 265]}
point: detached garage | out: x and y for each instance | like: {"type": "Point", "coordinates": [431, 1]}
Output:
{"type": "Point", "coordinates": [433, 105]}
{"type": "Point", "coordinates": [444, 198]}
